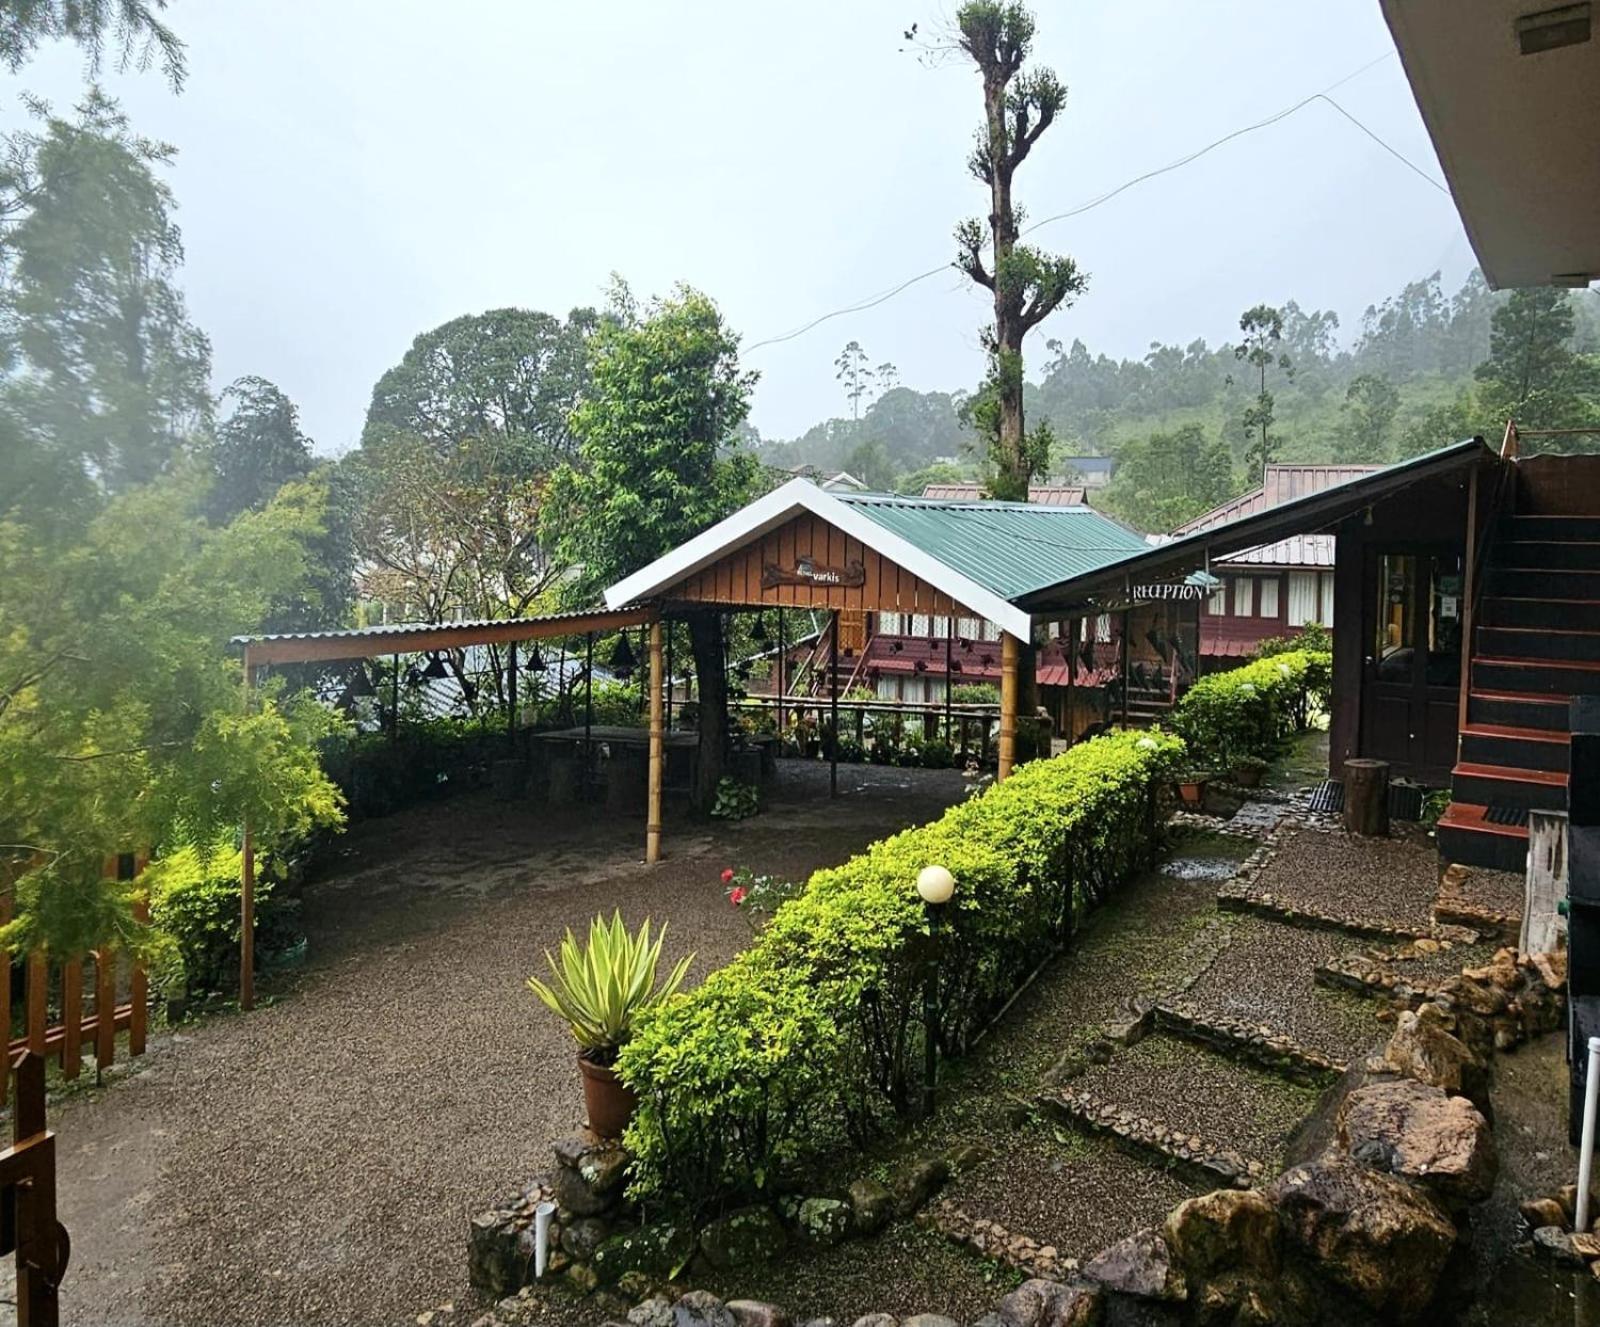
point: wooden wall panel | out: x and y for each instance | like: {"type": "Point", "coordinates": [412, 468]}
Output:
{"type": "Point", "coordinates": [885, 587]}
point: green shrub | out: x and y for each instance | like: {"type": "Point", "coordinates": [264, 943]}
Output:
{"type": "Point", "coordinates": [937, 754]}
{"type": "Point", "coordinates": [195, 900]}
{"type": "Point", "coordinates": [975, 693]}
{"type": "Point", "coordinates": [735, 800]}
{"type": "Point", "coordinates": [813, 1036]}
{"type": "Point", "coordinates": [1229, 717]}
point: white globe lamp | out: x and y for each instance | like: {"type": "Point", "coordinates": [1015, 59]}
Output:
{"type": "Point", "coordinates": [935, 884]}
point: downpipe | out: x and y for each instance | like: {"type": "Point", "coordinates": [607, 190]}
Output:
{"type": "Point", "coordinates": [541, 1237]}
{"type": "Point", "coordinates": [1591, 1099]}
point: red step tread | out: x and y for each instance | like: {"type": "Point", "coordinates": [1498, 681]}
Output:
{"type": "Point", "coordinates": [1517, 734]}
{"type": "Point", "coordinates": [1522, 697]}
{"type": "Point", "coordinates": [1585, 665]}
{"type": "Point", "coordinates": [1469, 816]}
{"type": "Point", "coordinates": [1510, 774]}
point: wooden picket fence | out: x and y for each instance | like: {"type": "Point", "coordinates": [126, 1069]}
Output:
{"type": "Point", "coordinates": [56, 1020]}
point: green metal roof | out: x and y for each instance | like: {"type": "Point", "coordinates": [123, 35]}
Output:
{"type": "Point", "coordinates": [1009, 548]}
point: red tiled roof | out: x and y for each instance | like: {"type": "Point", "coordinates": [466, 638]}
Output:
{"type": "Point", "coordinates": [1043, 495]}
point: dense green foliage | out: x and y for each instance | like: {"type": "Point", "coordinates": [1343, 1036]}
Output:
{"type": "Point", "coordinates": [1245, 713]}
{"type": "Point", "coordinates": [1408, 380]}
{"type": "Point", "coordinates": [812, 1037]}
{"type": "Point", "coordinates": [133, 27]}
{"type": "Point", "coordinates": [194, 900]}
{"type": "Point", "coordinates": [121, 724]}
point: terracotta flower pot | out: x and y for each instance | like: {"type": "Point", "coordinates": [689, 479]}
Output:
{"type": "Point", "coordinates": [1192, 791]}
{"type": "Point", "coordinates": [609, 1101]}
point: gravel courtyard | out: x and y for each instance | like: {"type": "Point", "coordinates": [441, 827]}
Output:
{"type": "Point", "coordinates": [315, 1162]}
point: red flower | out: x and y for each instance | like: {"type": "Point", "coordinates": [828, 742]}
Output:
{"type": "Point", "coordinates": [736, 896]}
{"type": "Point", "coordinates": [727, 875]}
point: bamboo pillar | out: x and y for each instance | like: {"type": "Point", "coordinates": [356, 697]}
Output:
{"type": "Point", "coordinates": [1127, 623]}
{"type": "Point", "coordinates": [1072, 668]}
{"type": "Point", "coordinates": [247, 880]}
{"type": "Point", "coordinates": [658, 748]}
{"type": "Point", "coordinates": [511, 696]}
{"type": "Point", "coordinates": [833, 706]}
{"type": "Point", "coordinates": [1010, 651]}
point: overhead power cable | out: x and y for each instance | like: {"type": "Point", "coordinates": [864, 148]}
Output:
{"type": "Point", "coordinates": [874, 300]}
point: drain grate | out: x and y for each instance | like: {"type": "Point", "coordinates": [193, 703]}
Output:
{"type": "Point", "coordinates": [1328, 798]}
{"type": "Point", "coordinates": [1498, 813]}
{"type": "Point", "coordinates": [1405, 801]}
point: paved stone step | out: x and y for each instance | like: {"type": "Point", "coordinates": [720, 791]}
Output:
{"type": "Point", "coordinates": [1148, 1136]}
{"type": "Point", "coordinates": [1264, 976]}
{"type": "Point", "coordinates": [1259, 1044]}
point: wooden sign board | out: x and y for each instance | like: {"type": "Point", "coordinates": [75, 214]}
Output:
{"type": "Point", "coordinates": [806, 572]}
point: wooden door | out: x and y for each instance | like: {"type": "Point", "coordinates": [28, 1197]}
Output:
{"type": "Point", "coordinates": [1412, 664]}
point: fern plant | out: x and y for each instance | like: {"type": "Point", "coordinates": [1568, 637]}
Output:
{"type": "Point", "coordinates": [600, 988]}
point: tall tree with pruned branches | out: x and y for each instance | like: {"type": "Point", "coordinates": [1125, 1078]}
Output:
{"type": "Point", "coordinates": [1028, 284]}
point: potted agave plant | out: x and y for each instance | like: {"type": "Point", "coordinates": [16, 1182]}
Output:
{"type": "Point", "coordinates": [599, 989]}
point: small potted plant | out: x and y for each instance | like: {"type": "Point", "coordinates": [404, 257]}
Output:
{"type": "Point", "coordinates": [600, 989]}
{"type": "Point", "coordinates": [1192, 786]}
{"type": "Point", "coordinates": [1248, 770]}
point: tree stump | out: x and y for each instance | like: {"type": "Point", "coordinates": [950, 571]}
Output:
{"type": "Point", "coordinates": [1366, 797]}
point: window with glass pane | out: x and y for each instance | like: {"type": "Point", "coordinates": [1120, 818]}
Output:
{"type": "Point", "coordinates": [1302, 597]}
{"type": "Point", "coordinates": [1244, 596]}
{"type": "Point", "coordinates": [1419, 618]}
{"type": "Point", "coordinates": [1269, 596]}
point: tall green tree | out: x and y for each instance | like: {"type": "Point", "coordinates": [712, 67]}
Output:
{"type": "Point", "coordinates": [659, 461]}
{"type": "Point", "coordinates": [1370, 406]}
{"type": "Point", "coordinates": [106, 373]}
{"type": "Point", "coordinates": [512, 373]}
{"type": "Point", "coordinates": [1027, 284]}
{"type": "Point", "coordinates": [259, 448]}
{"type": "Point", "coordinates": [1168, 478]}
{"type": "Point", "coordinates": [854, 372]}
{"type": "Point", "coordinates": [1261, 348]}
{"type": "Point", "coordinates": [1533, 374]}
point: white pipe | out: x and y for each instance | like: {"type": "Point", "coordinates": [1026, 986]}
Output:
{"type": "Point", "coordinates": [541, 1231]}
{"type": "Point", "coordinates": [1591, 1099]}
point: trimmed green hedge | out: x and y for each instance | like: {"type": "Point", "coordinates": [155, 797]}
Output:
{"type": "Point", "coordinates": [1247, 712]}
{"type": "Point", "coordinates": [813, 1037]}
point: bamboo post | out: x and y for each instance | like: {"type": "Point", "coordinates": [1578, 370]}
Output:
{"type": "Point", "coordinates": [1072, 668]}
{"type": "Point", "coordinates": [833, 706]}
{"type": "Point", "coordinates": [1010, 649]}
{"type": "Point", "coordinates": [782, 669]}
{"type": "Point", "coordinates": [658, 748]}
{"type": "Point", "coordinates": [949, 677]}
{"type": "Point", "coordinates": [247, 878]}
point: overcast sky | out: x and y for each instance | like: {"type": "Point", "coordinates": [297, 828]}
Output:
{"type": "Point", "coordinates": [353, 172]}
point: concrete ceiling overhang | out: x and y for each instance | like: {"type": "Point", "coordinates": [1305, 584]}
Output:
{"type": "Point", "coordinates": [1518, 134]}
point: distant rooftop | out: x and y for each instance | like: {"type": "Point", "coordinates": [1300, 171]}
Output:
{"type": "Point", "coordinates": [1280, 484]}
{"type": "Point", "coordinates": [1047, 495]}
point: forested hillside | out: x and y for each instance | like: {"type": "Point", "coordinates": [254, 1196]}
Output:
{"type": "Point", "coordinates": [1192, 424]}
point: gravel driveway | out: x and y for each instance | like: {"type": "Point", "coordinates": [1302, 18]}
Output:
{"type": "Point", "coordinates": [316, 1161]}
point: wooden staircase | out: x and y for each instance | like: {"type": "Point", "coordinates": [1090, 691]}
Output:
{"type": "Point", "coordinates": [1536, 644]}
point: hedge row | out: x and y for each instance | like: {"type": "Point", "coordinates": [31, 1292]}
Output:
{"type": "Point", "coordinates": [813, 1037]}
{"type": "Point", "coordinates": [1247, 712]}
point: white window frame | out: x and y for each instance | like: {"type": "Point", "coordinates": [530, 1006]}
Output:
{"type": "Point", "coordinates": [1327, 588]}
{"type": "Point", "coordinates": [1217, 604]}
